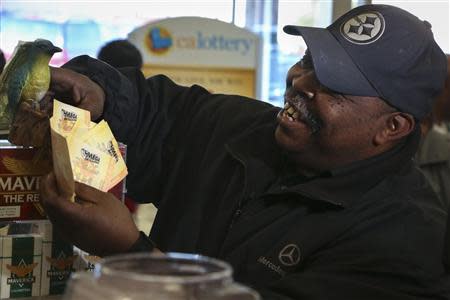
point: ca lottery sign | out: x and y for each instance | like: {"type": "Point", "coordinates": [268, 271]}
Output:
{"type": "Point", "coordinates": [159, 41]}
{"type": "Point", "coordinates": [191, 50]}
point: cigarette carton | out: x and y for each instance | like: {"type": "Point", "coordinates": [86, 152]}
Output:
{"type": "Point", "coordinates": [21, 266]}
{"type": "Point", "coordinates": [21, 169]}
{"type": "Point", "coordinates": [57, 260]}
{"type": "Point", "coordinates": [20, 172]}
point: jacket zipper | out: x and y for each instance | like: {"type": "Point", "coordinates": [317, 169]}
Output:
{"type": "Point", "coordinates": [236, 215]}
{"type": "Point", "coordinates": [238, 210]}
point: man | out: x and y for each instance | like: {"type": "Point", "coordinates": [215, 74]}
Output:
{"type": "Point", "coordinates": [433, 156]}
{"type": "Point", "coordinates": [320, 200]}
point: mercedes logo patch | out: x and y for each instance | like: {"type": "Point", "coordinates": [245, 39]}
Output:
{"type": "Point", "coordinates": [364, 28]}
{"type": "Point", "coordinates": [290, 255]}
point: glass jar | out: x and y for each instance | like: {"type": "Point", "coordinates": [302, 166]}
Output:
{"type": "Point", "coordinates": [174, 276]}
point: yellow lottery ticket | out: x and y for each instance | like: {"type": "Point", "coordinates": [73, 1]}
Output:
{"type": "Point", "coordinates": [66, 118]}
{"type": "Point", "coordinates": [80, 130]}
{"type": "Point", "coordinates": [93, 156]}
{"type": "Point", "coordinates": [102, 137]}
{"type": "Point", "coordinates": [90, 165]}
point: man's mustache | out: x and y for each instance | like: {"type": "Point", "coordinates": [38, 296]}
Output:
{"type": "Point", "coordinates": [305, 114]}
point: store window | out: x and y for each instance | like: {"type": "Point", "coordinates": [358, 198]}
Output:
{"type": "Point", "coordinates": [437, 12]}
{"type": "Point", "coordinates": [288, 49]}
{"type": "Point", "coordinates": [82, 27]}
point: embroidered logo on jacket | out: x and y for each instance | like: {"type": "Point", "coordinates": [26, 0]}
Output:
{"type": "Point", "coordinates": [274, 267]}
{"type": "Point", "coordinates": [290, 255]}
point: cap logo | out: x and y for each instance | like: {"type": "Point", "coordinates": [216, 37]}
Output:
{"type": "Point", "coordinates": [364, 28]}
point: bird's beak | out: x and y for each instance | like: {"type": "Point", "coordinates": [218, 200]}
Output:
{"type": "Point", "coordinates": [56, 49]}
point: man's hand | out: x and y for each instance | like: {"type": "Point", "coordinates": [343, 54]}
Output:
{"type": "Point", "coordinates": [97, 222]}
{"type": "Point", "coordinates": [78, 90]}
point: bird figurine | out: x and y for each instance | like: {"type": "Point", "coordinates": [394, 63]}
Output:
{"type": "Point", "coordinates": [23, 84]}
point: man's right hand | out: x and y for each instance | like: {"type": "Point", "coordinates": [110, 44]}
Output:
{"type": "Point", "coordinates": [77, 90]}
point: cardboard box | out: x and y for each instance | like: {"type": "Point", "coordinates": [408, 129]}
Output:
{"type": "Point", "coordinates": [20, 173]}
{"type": "Point", "coordinates": [58, 260]}
{"type": "Point", "coordinates": [21, 266]}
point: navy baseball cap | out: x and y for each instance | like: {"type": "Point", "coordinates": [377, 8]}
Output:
{"type": "Point", "coordinates": [381, 51]}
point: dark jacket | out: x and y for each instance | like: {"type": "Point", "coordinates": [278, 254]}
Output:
{"type": "Point", "coordinates": [223, 188]}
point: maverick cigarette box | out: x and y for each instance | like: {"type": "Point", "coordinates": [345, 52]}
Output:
{"type": "Point", "coordinates": [21, 266]}
{"type": "Point", "coordinates": [20, 171]}
{"type": "Point", "coordinates": [57, 261]}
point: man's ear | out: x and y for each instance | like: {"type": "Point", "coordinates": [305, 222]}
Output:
{"type": "Point", "coordinates": [396, 126]}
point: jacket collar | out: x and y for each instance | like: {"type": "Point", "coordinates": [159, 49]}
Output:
{"type": "Point", "coordinates": [263, 161]}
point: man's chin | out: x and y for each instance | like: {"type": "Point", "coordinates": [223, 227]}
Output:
{"type": "Point", "coordinates": [285, 141]}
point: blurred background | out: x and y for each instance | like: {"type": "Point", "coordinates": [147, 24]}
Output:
{"type": "Point", "coordinates": [82, 27]}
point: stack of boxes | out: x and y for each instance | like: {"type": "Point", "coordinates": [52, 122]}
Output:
{"type": "Point", "coordinates": [39, 263]}
{"type": "Point", "coordinates": [34, 260]}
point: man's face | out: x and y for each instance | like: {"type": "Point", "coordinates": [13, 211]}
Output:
{"type": "Point", "coordinates": [320, 129]}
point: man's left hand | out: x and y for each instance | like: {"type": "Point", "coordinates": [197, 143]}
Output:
{"type": "Point", "coordinates": [96, 222]}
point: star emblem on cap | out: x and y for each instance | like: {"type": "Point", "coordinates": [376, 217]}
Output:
{"type": "Point", "coordinates": [364, 28]}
